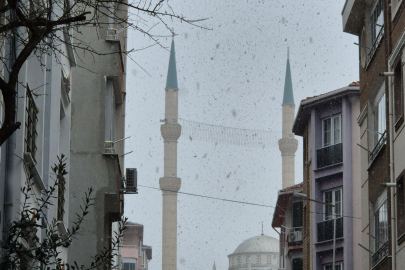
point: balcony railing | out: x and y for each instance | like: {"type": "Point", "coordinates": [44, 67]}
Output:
{"type": "Point", "coordinates": [375, 45]}
{"type": "Point", "coordinates": [329, 155]}
{"type": "Point", "coordinates": [381, 142]}
{"type": "Point", "coordinates": [381, 253]}
{"type": "Point", "coordinates": [325, 229]}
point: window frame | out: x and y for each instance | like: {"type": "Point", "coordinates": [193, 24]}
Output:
{"type": "Point", "coordinates": [30, 123]}
{"type": "Point", "coordinates": [398, 86]}
{"type": "Point", "coordinates": [337, 264]}
{"type": "Point", "coordinates": [332, 130]}
{"type": "Point", "coordinates": [326, 207]}
{"type": "Point", "coordinates": [259, 260]}
{"type": "Point", "coordinates": [377, 242]}
{"type": "Point", "coordinates": [400, 200]}
{"type": "Point", "coordinates": [378, 110]}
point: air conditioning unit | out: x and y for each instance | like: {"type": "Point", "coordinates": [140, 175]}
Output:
{"type": "Point", "coordinates": [131, 181]}
{"type": "Point", "coordinates": [295, 236]}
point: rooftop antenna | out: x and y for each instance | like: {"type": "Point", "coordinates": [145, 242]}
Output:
{"type": "Point", "coordinates": [288, 52]}
{"type": "Point", "coordinates": [262, 228]}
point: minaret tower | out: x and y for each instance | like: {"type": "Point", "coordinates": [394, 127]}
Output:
{"type": "Point", "coordinates": [288, 144]}
{"type": "Point", "coordinates": [170, 184]}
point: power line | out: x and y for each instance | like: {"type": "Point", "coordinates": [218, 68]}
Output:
{"type": "Point", "coordinates": [234, 201]}
{"type": "Point", "coordinates": [214, 198]}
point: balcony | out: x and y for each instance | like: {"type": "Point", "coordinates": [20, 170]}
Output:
{"type": "Point", "coordinates": [353, 16]}
{"type": "Point", "coordinates": [325, 230]}
{"type": "Point", "coordinates": [380, 255]}
{"type": "Point", "coordinates": [376, 43]}
{"type": "Point", "coordinates": [380, 144]}
{"type": "Point", "coordinates": [329, 155]}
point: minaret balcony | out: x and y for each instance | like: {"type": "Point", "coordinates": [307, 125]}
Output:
{"type": "Point", "coordinates": [329, 155]}
{"type": "Point", "coordinates": [170, 132]}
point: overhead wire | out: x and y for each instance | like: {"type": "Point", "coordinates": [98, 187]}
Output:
{"type": "Point", "coordinates": [235, 201]}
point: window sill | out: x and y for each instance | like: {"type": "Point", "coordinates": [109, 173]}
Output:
{"type": "Point", "coordinates": [63, 233]}
{"type": "Point", "coordinates": [331, 240]}
{"type": "Point", "coordinates": [399, 123]}
{"type": "Point", "coordinates": [328, 167]}
{"type": "Point", "coordinates": [29, 161]}
{"type": "Point", "coordinates": [401, 239]}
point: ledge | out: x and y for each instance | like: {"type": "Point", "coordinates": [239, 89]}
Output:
{"type": "Point", "coordinates": [63, 231]}
{"type": "Point", "coordinates": [328, 167]}
{"type": "Point", "coordinates": [29, 161]}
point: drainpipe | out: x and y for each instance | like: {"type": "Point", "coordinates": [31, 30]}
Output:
{"type": "Point", "coordinates": [281, 255]}
{"type": "Point", "coordinates": [392, 180]}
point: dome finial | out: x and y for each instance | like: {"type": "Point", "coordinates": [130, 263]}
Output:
{"type": "Point", "coordinates": [288, 52]}
{"type": "Point", "coordinates": [262, 228]}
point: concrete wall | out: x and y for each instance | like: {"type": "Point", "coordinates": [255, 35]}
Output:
{"type": "Point", "coordinates": [89, 166]}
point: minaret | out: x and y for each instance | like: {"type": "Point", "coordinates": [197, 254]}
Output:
{"type": "Point", "coordinates": [169, 183]}
{"type": "Point", "coordinates": [288, 144]}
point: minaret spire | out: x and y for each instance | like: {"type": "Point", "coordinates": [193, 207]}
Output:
{"type": "Point", "coordinates": [288, 144]}
{"type": "Point", "coordinates": [170, 183]}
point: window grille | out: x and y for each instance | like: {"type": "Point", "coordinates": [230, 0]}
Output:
{"type": "Point", "coordinates": [61, 198]}
{"type": "Point", "coordinates": [31, 119]}
{"type": "Point", "coordinates": [258, 259]}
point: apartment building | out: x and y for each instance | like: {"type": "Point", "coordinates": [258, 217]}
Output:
{"type": "Point", "coordinates": [331, 183]}
{"type": "Point", "coordinates": [380, 25]}
{"type": "Point", "coordinates": [76, 107]}
{"type": "Point", "coordinates": [43, 108]}
{"type": "Point", "coordinates": [288, 217]}
{"type": "Point", "coordinates": [135, 255]}
{"type": "Point", "coordinates": [98, 125]}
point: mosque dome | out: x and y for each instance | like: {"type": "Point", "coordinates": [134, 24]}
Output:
{"type": "Point", "coordinates": [256, 253]}
{"type": "Point", "coordinates": [261, 243]}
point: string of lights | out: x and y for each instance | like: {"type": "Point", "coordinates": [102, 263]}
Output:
{"type": "Point", "coordinates": [199, 131]}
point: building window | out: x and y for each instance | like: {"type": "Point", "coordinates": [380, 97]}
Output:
{"type": "Point", "coordinates": [30, 124]}
{"type": "Point", "coordinates": [381, 226]}
{"type": "Point", "coordinates": [129, 266]}
{"type": "Point", "coordinates": [258, 259]}
{"type": "Point", "coordinates": [297, 264]}
{"type": "Point", "coordinates": [377, 22]}
{"type": "Point", "coordinates": [379, 119]}
{"type": "Point", "coordinates": [297, 215]}
{"type": "Point", "coordinates": [333, 197]}
{"type": "Point", "coordinates": [143, 258]}
{"type": "Point", "coordinates": [61, 198]}
{"type": "Point", "coordinates": [338, 266]}
{"type": "Point", "coordinates": [331, 131]}
{"type": "Point", "coordinates": [239, 260]}
{"type": "Point", "coordinates": [400, 207]}
{"type": "Point", "coordinates": [380, 232]}
{"type": "Point", "coordinates": [398, 95]}
{"type": "Point", "coordinates": [247, 259]}
{"type": "Point", "coordinates": [377, 27]}
{"type": "Point", "coordinates": [268, 260]}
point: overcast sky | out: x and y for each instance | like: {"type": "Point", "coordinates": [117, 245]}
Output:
{"type": "Point", "coordinates": [232, 75]}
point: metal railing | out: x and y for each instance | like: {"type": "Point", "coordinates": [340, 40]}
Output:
{"type": "Point", "coordinates": [375, 45]}
{"type": "Point", "coordinates": [380, 254]}
{"type": "Point", "coordinates": [381, 142]}
{"type": "Point", "coordinates": [325, 229]}
{"type": "Point", "coordinates": [329, 155]}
